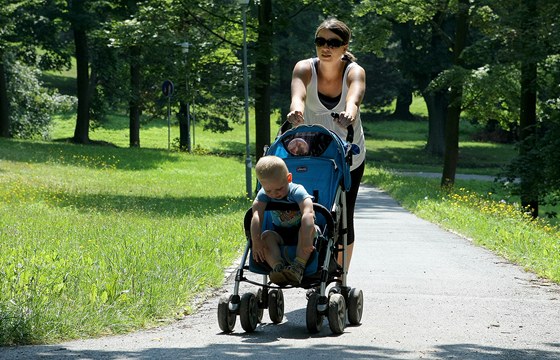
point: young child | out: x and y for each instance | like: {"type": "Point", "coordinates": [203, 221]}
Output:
{"type": "Point", "coordinates": [289, 227]}
{"type": "Point", "coordinates": [298, 146]}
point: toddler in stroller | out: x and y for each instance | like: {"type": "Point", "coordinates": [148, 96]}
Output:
{"type": "Point", "coordinates": [289, 227]}
{"type": "Point", "coordinates": [321, 166]}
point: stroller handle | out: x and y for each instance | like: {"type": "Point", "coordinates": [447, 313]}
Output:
{"type": "Point", "coordinates": [286, 125]}
{"type": "Point", "coordinates": [350, 129]}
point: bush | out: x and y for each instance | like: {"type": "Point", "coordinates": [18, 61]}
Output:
{"type": "Point", "coordinates": [32, 105]}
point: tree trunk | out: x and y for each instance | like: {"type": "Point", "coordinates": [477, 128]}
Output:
{"type": "Point", "coordinates": [451, 155]}
{"type": "Point", "coordinates": [404, 97]}
{"type": "Point", "coordinates": [134, 102]}
{"type": "Point", "coordinates": [81, 132]}
{"type": "Point", "coordinates": [263, 55]}
{"type": "Point", "coordinates": [4, 103]}
{"type": "Point", "coordinates": [528, 109]}
{"type": "Point", "coordinates": [184, 126]}
{"type": "Point", "coordinates": [528, 104]}
{"type": "Point", "coordinates": [404, 100]}
{"type": "Point", "coordinates": [436, 102]}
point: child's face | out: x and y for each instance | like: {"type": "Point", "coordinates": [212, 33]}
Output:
{"type": "Point", "coordinates": [276, 188]}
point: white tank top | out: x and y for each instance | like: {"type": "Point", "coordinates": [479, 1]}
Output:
{"type": "Point", "coordinates": [316, 113]}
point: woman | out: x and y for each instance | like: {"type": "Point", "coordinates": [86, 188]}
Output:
{"type": "Point", "coordinates": [332, 82]}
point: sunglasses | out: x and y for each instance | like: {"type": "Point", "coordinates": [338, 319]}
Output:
{"type": "Point", "coordinates": [332, 43]}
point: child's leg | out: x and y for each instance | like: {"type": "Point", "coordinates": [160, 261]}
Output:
{"type": "Point", "coordinates": [272, 240]}
{"type": "Point", "coordinates": [306, 237]}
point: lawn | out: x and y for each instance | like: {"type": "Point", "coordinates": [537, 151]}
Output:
{"type": "Point", "coordinates": [101, 240]}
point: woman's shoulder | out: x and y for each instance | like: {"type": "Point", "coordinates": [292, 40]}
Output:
{"type": "Point", "coordinates": [355, 70]}
{"type": "Point", "coordinates": [304, 64]}
{"type": "Point", "coordinates": [303, 70]}
{"type": "Point", "coordinates": [355, 65]}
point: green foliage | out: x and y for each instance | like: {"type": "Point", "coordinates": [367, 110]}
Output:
{"type": "Point", "coordinates": [32, 105]}
{"type": "Point", "coordinates": [194, 45]}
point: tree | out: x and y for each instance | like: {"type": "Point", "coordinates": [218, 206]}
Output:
{"type": "Point", "coordinates": [79, 29]}
{"type": "Point", "coordinates": [530, 41]}
{"type": "Point", "coordinates": [27, 27]}
{"type": "Point", "coordinates": [4, 103]}
{"type": "Point", "coordinates": [451, 155]}
{"type": "Point", "coordinates": [84, 17]}
{"type": "Point", "coordinates": [423, 29]}
{"type": "Point", "coordinates": [263, 57]}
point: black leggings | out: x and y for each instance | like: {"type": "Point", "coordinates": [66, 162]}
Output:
{"type": "Point", "coordinates": [351, 197]}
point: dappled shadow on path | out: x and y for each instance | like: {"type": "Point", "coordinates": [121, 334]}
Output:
{"type": "Point", "coordinates": [248, 346]}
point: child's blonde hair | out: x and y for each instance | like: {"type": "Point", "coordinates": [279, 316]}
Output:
{"type": "Point", "coordinates": [271, 167]}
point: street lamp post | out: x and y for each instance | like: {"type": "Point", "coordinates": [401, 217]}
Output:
{"type": "Point", "coordinates": [248, 165]}
{"type": "Point", "coordinates": [185, 48]}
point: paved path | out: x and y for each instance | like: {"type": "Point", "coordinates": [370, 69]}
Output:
{"type": "Point", "coordinates": [428, 294]}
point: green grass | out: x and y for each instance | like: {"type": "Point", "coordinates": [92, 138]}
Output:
{"type": "Point", "coordinates": [400, 145]}
{"type": "Point", "coordinates": [99, 240]}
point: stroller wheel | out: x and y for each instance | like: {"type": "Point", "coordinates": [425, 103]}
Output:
{"type": "Point", "coordinates": [276, 305]}
{"type": "Point", "coordinates": [337, 313]}
{"type": "Point", "coordinates": [260, 306]}
{"type": "Point", "coordinates": [355, 306]}
{"type": "Point", "coordinates": [248, 312]}
{"type": "Point", "coordinates": [313, 319]}
{"type": "Point", "coordinates": [226, 318]}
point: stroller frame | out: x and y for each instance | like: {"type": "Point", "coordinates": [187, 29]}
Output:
{"type": "Point", "coordinates": [341, 304]}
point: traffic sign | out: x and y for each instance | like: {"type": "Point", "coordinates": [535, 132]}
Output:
{"type": "Point", "coordinates": [167, 88]}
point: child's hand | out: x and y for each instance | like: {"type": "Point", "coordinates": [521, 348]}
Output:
{"type": "Point", "coordinates": [259, 251]}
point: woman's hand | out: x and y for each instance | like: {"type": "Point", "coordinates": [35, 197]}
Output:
{"type": "Point", "coordinates": [295, 117]}
{"type": "Point", "coordinates": [345, 119]}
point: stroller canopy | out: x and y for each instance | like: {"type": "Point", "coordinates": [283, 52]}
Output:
{"type": "Point", "coordinates": [314, 141]}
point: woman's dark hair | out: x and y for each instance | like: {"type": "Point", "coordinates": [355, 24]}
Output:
{"type": "Point", "coordinates": [340, 29]}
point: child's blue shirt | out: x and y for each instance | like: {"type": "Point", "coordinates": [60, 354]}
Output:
{"type": "Point", "coordinates": [286, 218]}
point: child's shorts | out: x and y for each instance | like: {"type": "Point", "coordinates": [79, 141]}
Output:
{"type": "Point", "coordinates": [289, 235]}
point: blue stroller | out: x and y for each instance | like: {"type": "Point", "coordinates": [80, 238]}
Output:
{"type": "Point", "coordinates": [324, 170]}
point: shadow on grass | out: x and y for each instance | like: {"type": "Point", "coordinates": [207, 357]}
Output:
{"type": "Point", "coordinates": [470, 157]}
{"type": "Point", "coordinates": [104, 155]}
{"type": "Point", "coordinates": [66, 85]}
{"type": "Point", "coordinates": [151, 206]}
{"type": "Point", "coordinates": [89, 156]}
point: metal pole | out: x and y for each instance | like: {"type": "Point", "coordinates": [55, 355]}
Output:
{"type": "Point", "coordinates": [169, 123]}
{"type": "Point", "coordinates": [193, 119]}
{"type": "Point", "coordinates": [248, 164]}
{"type": "Point", "coordinates": [187, 97]}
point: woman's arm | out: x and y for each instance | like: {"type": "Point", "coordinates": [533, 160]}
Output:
{"type": "Point", "coordinates": [356, 89]}
{"type": "Point", "coordinates": [300, 78]}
